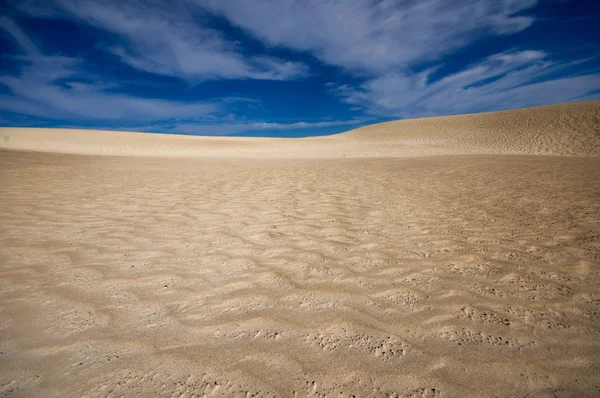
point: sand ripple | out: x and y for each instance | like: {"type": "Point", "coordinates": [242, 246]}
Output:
{"type": "Point", "coordinates": [424, 277]}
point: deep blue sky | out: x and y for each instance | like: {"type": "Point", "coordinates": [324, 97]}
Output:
{"type": "Point", "coordinates": [287, 67]}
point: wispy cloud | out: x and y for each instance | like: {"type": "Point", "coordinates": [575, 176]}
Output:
{"type": "Point", "coordinates": [384, 41]}
{"type": "Point", "coordinates": [209, 53]}
{"type": "Point", "coordinates": [167, 38]}
{"type": "Point", "coordinates": [370, 36]}
{"type": "Point", "coordinates": [501, 81]}
{"type": "Point", "coordinates": [9, 26]}
{"type": "Point", "coordinates": [57, 87]}
{"type": "Point", "coordinates": [202, 128]}
{"type": "Point", "coordinates": [53, 86]}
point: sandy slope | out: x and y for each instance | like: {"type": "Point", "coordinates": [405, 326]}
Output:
{"type": "Point", "coordinates": [568, 129]}
{"type": "Point", "coordinates": [445, 276]}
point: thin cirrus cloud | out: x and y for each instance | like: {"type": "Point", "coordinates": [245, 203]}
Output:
{"type": "Point", "coordinates": [382, 41]}
{"type": "Point", "coordinates": [50, 86]}
{"type": "Point", "coordinates": [501, 81]}
{"type": "Point", "coordinates": [233, 66]}
{"type": "Point", "coordinates": [373, 37]}
{"type": "Point", "coordinates": [202, 128]}
{"type": "Point", "coordinates": [167, 38]}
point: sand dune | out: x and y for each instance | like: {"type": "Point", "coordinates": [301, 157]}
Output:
{"type": "Point", "coordinates": [233, 275]}
{"type": "Point", "coordinates": [566, 130]}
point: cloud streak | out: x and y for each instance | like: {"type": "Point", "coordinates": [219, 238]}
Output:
{"type": "Point", "coordinates": [57, 87]}
{"type": "Point", "coordinates": [53, 86]}
{"type": "Point", "coordinates": [374, 37]}
{"type": "Point", "coordinates": [202, 128]}
{"type": "Point", "coordinates": [501, 81]}
{"type": "Point", "coordinates": [167, 38]}
{"type": "Point", "coordinates": [219, 66]}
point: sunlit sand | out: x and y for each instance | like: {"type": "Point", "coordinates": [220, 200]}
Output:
{"type": "Point", "coordinates": [438, 257]}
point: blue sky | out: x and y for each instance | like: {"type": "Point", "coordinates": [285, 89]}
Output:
{"type": "Point", "coordinates": [287, 68]}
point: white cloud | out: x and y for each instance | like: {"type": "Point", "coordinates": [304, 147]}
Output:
{"type": "Point", "coordinates": [9, 26]}
{"type": "Point", "coordinates": [502, 81]}
{"type": "Point", "coordinates": [167, 38]}
{"type": "Point", "coordinates": [382, 41]}
{"type": "Point", "coordinates": [378, 41]}
{"type": "Point", "coordinates": [54, 87]}
{"type": "Point", "coordinates": [370, 36]}
{"type": "Point", "coordinates": [195, 128]}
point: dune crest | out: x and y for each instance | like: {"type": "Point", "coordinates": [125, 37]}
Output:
{"type": "Point", "coordinates": [565, 130]}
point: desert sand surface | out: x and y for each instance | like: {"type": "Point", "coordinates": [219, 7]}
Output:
{"type": "Point", "coordinates": [563, 130]}
{"type": "Point", "coordinates": [351, 265]}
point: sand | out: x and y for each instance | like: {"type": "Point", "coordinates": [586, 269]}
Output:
{"type": "Point", "coordinates": [351, 265]}
{"type": "Point", "coordinates": [562, 130]}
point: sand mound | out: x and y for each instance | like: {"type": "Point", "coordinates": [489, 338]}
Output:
{"type": "Point", "coordinates": [567, 129]}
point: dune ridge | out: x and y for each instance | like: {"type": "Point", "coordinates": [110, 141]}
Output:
{"type": "Point", "coordinates": [564, 130]}
{"type": "Point", "coordinates": [571, 129]}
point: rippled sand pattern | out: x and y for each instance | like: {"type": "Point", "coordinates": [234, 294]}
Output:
{"type": "Point", "coordinates": [425, 277]}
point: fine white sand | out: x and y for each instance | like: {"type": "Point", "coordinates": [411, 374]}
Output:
{"type": "Point", "coordinates": [336, 266]}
